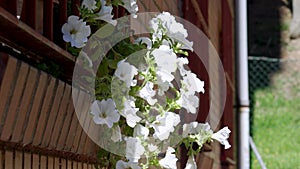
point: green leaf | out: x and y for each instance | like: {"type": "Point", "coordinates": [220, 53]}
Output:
{"type": "Point", "coordinates": [112, 63]}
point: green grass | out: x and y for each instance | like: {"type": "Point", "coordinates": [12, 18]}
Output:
{"type": "Point", "coordinates": [276, 129]}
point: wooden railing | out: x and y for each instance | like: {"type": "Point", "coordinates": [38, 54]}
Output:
{"type": "Point", "coordinates": [33, 33]}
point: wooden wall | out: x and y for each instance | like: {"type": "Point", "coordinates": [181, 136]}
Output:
{"type": "Point", "coordinates": [37, 117]}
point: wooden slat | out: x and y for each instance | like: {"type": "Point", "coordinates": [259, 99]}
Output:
{"type": "Point", "coordinates": [27, 161]}
{"type": "Point", "coordinates": [86, 125]}
{"type": "Point", "coordinates": [25, 105]}
{"type": "Point", "coordinates": [50, 163]}
{"type": "Point", "coordinates": [200, 17]}
{"type": "Point", "coordinates": [17, 34]}
{"type": "Point", "coordinates": [3, 64]}
{"type": "Point", "coordinates": [1, 159]}
{"type": "Point", "coordinates": [48, 100]}
{"type": "Point", "coordinates": [75, 5]}
{"type": "Point", "coordinates": [91, 146]}
{"type": "Point", "coordinates": [18, 160]}
{"type": "Point", "coordinates": [56, 163]}
{"type": "Point", "coordinates": [7, 85]}
{"type": "Point", "coordinates": [60, 117]}
{"type": "Point", "coordinates": [63, 163]}
{"type": "Point", "coordinates": [85, 166]}
{"type": "Point", "coordinates": [82, 116]}
{"type": "Point", "coordinates": [35, 161]}
{"type": "Point", "coordinates": [75, 129]}
{"type": "Point", "coordinates": [48, 19]}
{"type": "Point", "coordinates": [53, 113]}
{"type": "Point", "coordinates": [227, 58]}
{"type": "Point", "coordinates": [67, 123]}
{"type": "Point", "coordinates": [37, 104]}
{"type": "Point", "coordinates": [72, 132]}
{"type": "Point", "coordinates": [29, 13]}
{"type": "Point", "coordinates": [10, 6]}
{"type": "Point", "coordinates": [43, 162]}
{"type": "Point", "coordinates": [75, 165]}
{"type": "Point", "coordinates": [69, 164]}
{"type": "Point", "coordinates": [9, 160]}
{"type": "Point", "coordinates": [16, 98]}
{"type": "Point", "coordinates": [63, 11]}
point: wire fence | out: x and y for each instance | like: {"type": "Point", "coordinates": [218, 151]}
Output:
{"type": "Point", "coordinates": [274, 88]}
{"type": "Point", "coordinates": [282, 76]}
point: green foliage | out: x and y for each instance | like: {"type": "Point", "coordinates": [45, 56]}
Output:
{"type": "Point", "coordinates": [50, 67]}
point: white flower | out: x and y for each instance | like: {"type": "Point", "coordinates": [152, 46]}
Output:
{"type": "Point", "coordinates": [129, 112]}
{"type": "Point", "coordinates": [152, 147]}
{"type": "Point", "coordinates": [126, 72]}
{"type": "Point", "coordinates": [131, 7]}
{"type": "Point", "coordinates": [105, 112]}
{"type": "Point", "coordinates": [169, 161]}
{"type": "Point", "coordinates": [195, 128]}
{"type": "Point", "coordinates": [76, 31]}
{"type": "Point", "coordinates": [116, 134]}
{"type": "Point", "coordinates": [181, 61]}
{"type": "Point", "coordinates": [165, 24]}
{"type": "Point", "coordinates": [165, 58]}
{"type": "Point", "coordinates": [191, 163]}
{"type": "Point", "coordinates": [105, 13]}
{"type": "Point", "coordinates": [222, 136]}
{"type": "Point", "coordinates": [144, 40]}
{"type": "Point", "coordinates": [163, 85]}
{"type": "Point", "coordinates": [141, 131]}
{"type": "Point", "coordinates": [164, 75]}
{"type": "Point", "coordinates": [191, 83]}
{"type": "Point", "coordinates": [189, 102]}
{"type": "Point", "coordinates": [126, 165]}
{"type": "Point", "coordinates": [134, 149]}
{"type": "Point", "coordinates": [89, 4]}
{"type": "Point", "coordinates": [147, 93]}
{"type": "Point", "coordinates": [164, 125]}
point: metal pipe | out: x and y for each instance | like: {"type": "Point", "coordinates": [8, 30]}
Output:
{"type": "Point", "coordinates": [243, 159]}
{"type": "Point", "coordinates": [258, 157]}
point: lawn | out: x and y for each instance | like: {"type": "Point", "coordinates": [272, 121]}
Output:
{"type": "Point", "coordinates": [276, 129]}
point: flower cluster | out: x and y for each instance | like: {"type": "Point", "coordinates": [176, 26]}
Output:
{"type": "Point", "coordinates": [76, 31]}
{"type": "Point", "coordinates": [149, 91]}
{"type": "Point", "coordinates": [149, 96]}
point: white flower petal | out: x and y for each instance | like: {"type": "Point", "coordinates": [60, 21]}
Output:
{"type": "Point", "coordinates": [105, 14]}
{"type": "Point", "coordinates": [222, 136]}
{"type": "Point", "coordinates": [170, 160]}
{"type": "Point", "coordinates": [89, 4]}
{"type": "Point", "coordinates": [76, 31]}
{"type": "Point", "coordinates": [147, 93]}
{"type": "Point", "coordinates": [131, 6]}
{"type": "Point", "coordinates": [126, 72]}
{"type": "Point", "coordinates": [105, 112]}
{"type": "Point", "coordinates": [116, 134]}
{"type": "Point", "coordinates": [144, 40]}
{"type": "Point", "coordinates": [164, 125]}
{"type": "Point", "coordinates": [141, 131]}
{"type": "Point", "coordinates": [134, 149]}
{"type": "Point", "coordinates": [191, 163]}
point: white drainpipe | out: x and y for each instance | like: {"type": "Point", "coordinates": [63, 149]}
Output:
{"type": "Point", "coordinates": [243, 159]}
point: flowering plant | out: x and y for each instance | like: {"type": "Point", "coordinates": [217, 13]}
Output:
{"type": "Point", "coordinates": [143, 89]}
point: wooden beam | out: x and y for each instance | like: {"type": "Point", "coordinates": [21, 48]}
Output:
{"type": "Point", "coordinates": [201, 17]}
